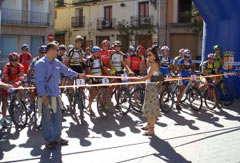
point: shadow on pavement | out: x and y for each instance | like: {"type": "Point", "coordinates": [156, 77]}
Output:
{"type": "Point", "coordinates": [114, 123]}
{"type": "Point", "coordinates": [79, 131]}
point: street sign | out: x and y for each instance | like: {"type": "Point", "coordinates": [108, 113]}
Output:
{"type": "Point", "coordinates": [51, 37]}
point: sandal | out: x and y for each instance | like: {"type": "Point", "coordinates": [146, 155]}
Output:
{"type": "Point", "coordinates": [145, 128]}
{"type": "Point", "coordinates": [149, 132]}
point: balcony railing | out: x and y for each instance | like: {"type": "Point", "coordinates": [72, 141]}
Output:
{"type": "Point", "coordinates": [11, 16]}
{"type": "Point", "coordinates": [78, 21]}
{"type": "Point", "coordinates": [138, 21]}
{"type": "Point", "coordinates": [83, 1]}
{"type": "Point", "coordinates": [103, 23]}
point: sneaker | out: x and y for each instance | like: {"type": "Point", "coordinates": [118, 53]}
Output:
{"type": "Point", "coordinates": [178, 107]}
{"type": "Point", "coordinates": [51, 145]}
{"type": "Point", "coordinates": [61, 141]}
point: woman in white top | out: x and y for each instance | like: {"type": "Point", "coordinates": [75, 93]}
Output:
{"type": "Point", "coordinates": [151, 103]}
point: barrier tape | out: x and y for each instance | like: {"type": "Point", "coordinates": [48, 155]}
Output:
{"type": "Point", "coordinates": [129, 83]}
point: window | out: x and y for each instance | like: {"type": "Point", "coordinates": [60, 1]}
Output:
{"type": "Point", "coordinates": [108, 13]}
{"type": "Point", "coordinates": [184, 11]}
{"type": "Point", "coordinates": [143, 9]}
{"type": "Point", "coordinates": [36, 42]}
{"type": "Point", "coordinates": [8, 44]}
{"type": "Point", "coordinates": [60, 3]}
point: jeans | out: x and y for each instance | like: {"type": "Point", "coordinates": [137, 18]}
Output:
{"type": "Point", "coordinates": [51, 124]}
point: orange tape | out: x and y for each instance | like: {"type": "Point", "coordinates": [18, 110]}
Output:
{"type": "Point", "coordinates": [128, 83]}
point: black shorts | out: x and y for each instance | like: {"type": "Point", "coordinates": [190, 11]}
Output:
{"type": "Point", "coordinates": [78, 69]}
{"type": "Point", "coordinates": [137, 72]}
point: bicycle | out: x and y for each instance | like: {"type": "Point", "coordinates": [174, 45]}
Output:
{"type": "Point", "coordinates": [17, 109]}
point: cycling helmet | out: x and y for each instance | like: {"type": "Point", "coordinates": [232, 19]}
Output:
{"type": "Point", "coordinates": [181, 50]}
{"type": "Point", "coordinates": [13, 56]}
{"type": "Point", "coordinates": [62, 47]}
{"type": "Point", "coordinates": [165, 48]}
{"type": "Point", "coordinates": [117, 43]}
{"type": "Point", "coordinates": [187, 53]}
{"type": "Point", "coordinates": [141, 49]}
{"type": "Point", "coordinates": [105, 42]}
{"type": "Point", "coordinates": [42, 48]}
{"type": "Point", "coordinates": [96, 49]}
{"type": "Point", "coordinates": [79, 38]}
{"type": "Point", "coordinates": [70, 47]}
{"type": "Point", "coordinates": [217, 47]}
{"type": "Point", "coordinates": [24, 46]}
{"type": "Point", "coordinates": [132, 48]}
{"type": "Point", "coordinates": [211, 56]}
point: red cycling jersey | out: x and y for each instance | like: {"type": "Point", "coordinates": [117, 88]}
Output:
{"type": "Point", "coordinates": [25, 60]}
{"type": "Point", "coordinates": [135, 62]}
{"type": "Point", "coordinates": [105, 55]}
{"type": "Point", "coordinates": [13, 74]}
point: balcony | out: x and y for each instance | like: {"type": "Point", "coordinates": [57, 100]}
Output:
{"type": "Point", "coordinates": [20, 17]}
{"type": "Point", "coordinates": [83, 1]}
{"type": "Point", "coordinates": [142, 21]}
{"type": "Point", "coordinates": [78, 21]}
{"type": "Point", "coordinates": [103, 23]}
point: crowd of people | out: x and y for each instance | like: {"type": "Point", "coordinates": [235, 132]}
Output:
{"type": "Point", "coordinates": [44, 71]}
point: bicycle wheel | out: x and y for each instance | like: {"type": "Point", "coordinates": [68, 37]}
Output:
{"type": "Point", "coordinates": [195, 99]}
{"type": "Point", "coordinates": [166, 101]}
{"type": "Point", "coordinates": [18, 112]}
{"type": "Point", "coordinates": [123, 99]}
{"type": "Point", "coordinates": [209, 100]}
{"type": "Point", "coordinates": [102, 98]}
{"type": "Point", "coordinates": [136, 99]}
{"type": "Point", "coordinates": [226, 94]}
{"type": "Point", "coordinates": [80, 106]}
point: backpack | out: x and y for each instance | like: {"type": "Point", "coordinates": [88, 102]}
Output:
{"type": "Point", "coordinates": [9, 69]}
{"type": "Point", "coordinates": [20, 57]}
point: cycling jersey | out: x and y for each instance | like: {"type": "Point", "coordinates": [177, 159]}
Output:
{"type": "Point", "coordinates": [218, 58]}
{"type": "Point", "coordinates": [75, 56]}
{"type": "Point", "coordinates": [187, 67]}
{"type": "Point", "coordinates": [117, 59]}
{"type": "Point", "coordinates": [176, 60]}
{"type": "Point", "coordinates": [135, 62]}
{"type": "Point", "coordinates": [25, 60]}
{"type": "Point", "coordinates": [105, 55]}
{"type": "Point", "coordinates": [210, 68]}
{"type": "Point", "coordinates": [32, 65]}
{"type": "Point", "coordinates": [164, 64]}
{"type": "Point", "coordinates": [96, 66]}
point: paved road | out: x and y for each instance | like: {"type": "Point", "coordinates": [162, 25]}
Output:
{"type": "Point", "coordinates": [187, 136]}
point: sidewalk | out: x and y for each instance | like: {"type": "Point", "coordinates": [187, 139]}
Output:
{"type": "Point", "coordinates": [207, 136]}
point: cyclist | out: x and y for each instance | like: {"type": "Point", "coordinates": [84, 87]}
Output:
{"type": "Point", "coordinates": [140, 51]}
{"type": "Point", "coordinates": [42, 51]}
{"type": "Point", "coordinates": [62, 53]}
{"type": "Point", "coordinates": [106, 53]}
{"type": "Point", "coordinates": [177, 58]}
{"type": "Point", "coordinates": [13, 73]}
{"type": "Point", "coordinates": [25, 58]}
{"type": "Point", "coordinates": [218, 57]}
{"type": "Point", "coordinates": [75, 61]}
{"type": "Point", "coordinates": [131, 50]}
{"type": "Point", "coordinates": [118, 61]}
{"type": "Point", "coordinates": [135, 60]}
{"type": "Point", "coordinates": [87, 52]}
{"type": "Point", "coordinates": [209, 68]}
{"type": "Point", "coordinates": [165, 61]}
{"type": "Point", "coordinates": [185, 69]}
{"type": "Point", "coordinates": [95, 66]}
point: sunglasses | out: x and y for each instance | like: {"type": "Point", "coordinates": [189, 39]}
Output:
{"type": "Point", "coordinates": [149, 55]}
{"type": "Point", "coordinates": [13, 60]}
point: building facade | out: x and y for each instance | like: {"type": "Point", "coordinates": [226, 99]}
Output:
{"type": "Point", "coordinates": [99, 20]}
{"type": "Point", "coordinates": [25, 21]}
{"type": "Point", "coordinates": [151, 22]}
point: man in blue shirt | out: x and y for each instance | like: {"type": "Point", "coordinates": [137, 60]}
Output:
{"type": "Point", "coordinates": [47, 75]}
